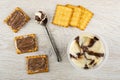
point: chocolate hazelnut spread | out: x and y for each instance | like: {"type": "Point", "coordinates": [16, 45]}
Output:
{"type": "Point", "coordinates": [92, 41]}
{"type": "Point", "coordinates": [25, 44]}
{"type": "Point", "coordinates": [35, 64]}
{"type": "Point", "coordinates": [17, 20]}
{"type": "Point", "coordinates": [86, 66]}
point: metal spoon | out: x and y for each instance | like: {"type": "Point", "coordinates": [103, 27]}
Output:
{"type": "Point", "coordinates": [43, 21]}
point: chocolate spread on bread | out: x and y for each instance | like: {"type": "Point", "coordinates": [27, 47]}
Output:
{"type": "Point", "coordinates": [17, 20]}
{"type": "Point", "coordinates": [26, 44]}
{"type": "Point", "coordinates": [37, 64]}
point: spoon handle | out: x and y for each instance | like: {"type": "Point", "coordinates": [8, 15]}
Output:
{"type": "Point", "coordinates": [53, 44]}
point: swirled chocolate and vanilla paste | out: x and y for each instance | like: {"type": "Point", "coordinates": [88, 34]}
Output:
{"type": "Point", "coordinates": [87, 51]}
{"type": "Point", "coordinates": [40, 17]}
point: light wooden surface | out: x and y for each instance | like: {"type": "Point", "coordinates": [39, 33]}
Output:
{"type": "Point", "coordinates": [106, 22]}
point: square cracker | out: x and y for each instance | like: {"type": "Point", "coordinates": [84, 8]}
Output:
{"type": "Point", "coordinates": [37, 64]}
{"type": "Point", "coordinates": [85, 18]}
{"type": "Point", "coordinates": [62, 16]}
{"type": "Point", "coordinates": [26, 43]}
{"type": "Point", "coordinates": [17, 19]}
{"type": "Point", "coordinates": [75, 16]}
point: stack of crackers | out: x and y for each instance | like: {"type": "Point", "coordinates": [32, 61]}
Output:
{"type": "Point", "coordinates": [70, 15]}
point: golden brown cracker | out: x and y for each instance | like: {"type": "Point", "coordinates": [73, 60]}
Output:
{"type": "Point", "coordinates": [37, 64]}
{"type": "Point", "coordinates": [26, 43]}
{"type": "Point", "coordinates": [15, 21]}
{"type": "Point", "coordinates": [85, 18]}
{"type": "Point", "coordinates": [62, 16]}
{"type": "Point", "coordinates": [75, 16]}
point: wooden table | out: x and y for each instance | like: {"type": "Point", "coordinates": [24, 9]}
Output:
{"type": "Point", "coordinates": [105, 22]}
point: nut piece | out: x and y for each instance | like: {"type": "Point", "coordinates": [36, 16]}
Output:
{"type": "Point", "coordinates": [62, 16]}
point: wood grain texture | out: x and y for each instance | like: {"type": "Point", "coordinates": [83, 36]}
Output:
{"type": "Point", "coordinates": [105, 22]}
